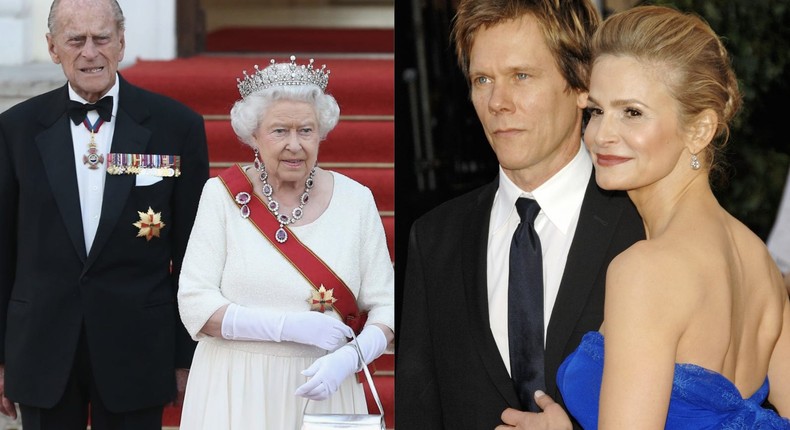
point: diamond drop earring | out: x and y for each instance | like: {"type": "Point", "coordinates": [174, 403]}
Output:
{"type": "Point", "coordinates": [694, 162]}
{"type": "Point", "coordinates": [257, 163]}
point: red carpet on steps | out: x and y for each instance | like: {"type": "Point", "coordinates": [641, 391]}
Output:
{"type": "Point", "coordinates": [208, 83]}
{"type": "Point", "coordinates": [289, 39]}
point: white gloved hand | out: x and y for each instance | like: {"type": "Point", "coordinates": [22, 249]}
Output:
{"type": "Point", "coordinates": [310, 328]}
{"type": "Point", "coordinates": [314, 328]}
{"type": "Point", "coordinates": [372, 343]}
{"type": "Point", "coordinates": [243, 323]}
{"type": "Point", "coordinates": [328, 372]}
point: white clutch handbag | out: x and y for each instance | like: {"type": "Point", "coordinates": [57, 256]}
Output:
{"type": "Point", "coordinates": [348, 421]}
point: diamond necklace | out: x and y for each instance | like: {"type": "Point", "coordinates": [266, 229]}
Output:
{"type": "Point", "coordinates": [281, 235]}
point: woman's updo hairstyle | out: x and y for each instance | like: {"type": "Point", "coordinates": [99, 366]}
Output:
{"type": "Point", "coordinates": [688, 54]}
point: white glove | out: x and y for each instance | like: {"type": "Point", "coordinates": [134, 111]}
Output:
{"type": "Point", "coordinates": [310, 328]}
{"type": "Point", "coordinates": [315, 328]}
{"type": "Point", "coordinates": [328, 372]}
{"type": "Point", "coordinates": [372, 342]}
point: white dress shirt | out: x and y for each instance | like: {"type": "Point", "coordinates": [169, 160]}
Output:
{"type": "Point", "coordinates": [779, 240]}
{"type": "Point", "coordinates": [560, 199]}
{"type": "Point", "coordinates": [91, 182]}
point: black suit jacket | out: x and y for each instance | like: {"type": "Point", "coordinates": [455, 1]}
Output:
{"type": "Point", "coordinates": [124, 291]}
{"type": "Point", "coordinates": [450, 374]}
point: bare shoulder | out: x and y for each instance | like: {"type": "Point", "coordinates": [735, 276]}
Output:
{"type": "Point", "coordinates": [652, 280]}
{"type": "Point", "coordinates": [651, 265]}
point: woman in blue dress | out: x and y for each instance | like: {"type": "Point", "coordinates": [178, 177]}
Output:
{"type": "Point", "coordinates": [697, 319]}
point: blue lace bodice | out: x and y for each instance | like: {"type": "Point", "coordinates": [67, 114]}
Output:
{"type": "Point", "coordinates": [701, 398]}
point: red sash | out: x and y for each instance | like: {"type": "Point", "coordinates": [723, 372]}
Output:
{"type": "Point", "coordinates": [312, 268]}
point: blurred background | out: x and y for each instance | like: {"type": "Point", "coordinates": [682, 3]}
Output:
{"type": "Point", "coordinates": [442, 152]}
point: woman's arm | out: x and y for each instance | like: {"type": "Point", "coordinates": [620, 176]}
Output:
{"type": "Point", "coordinates": [377, 277]}
{"type": "Point", "coordinates": [199, 295]}
{"type": "Point", "coordinates": [643, 320]}
{"type": "Point", "coordinates": [779, 368]}
{"type": "Point", "coordinates": [213, 326]}
{"type": "Point", "coordinates": [388, 333]}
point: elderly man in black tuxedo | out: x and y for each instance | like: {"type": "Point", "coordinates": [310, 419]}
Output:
{"type": "Point", "coordinates": [98, 204]}
{"type": "Point", "coordinates": [501, 283]}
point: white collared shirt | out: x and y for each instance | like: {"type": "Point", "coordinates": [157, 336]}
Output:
{"type": "Point", "coordinates": [779, 239]}
{"type": "Point", "coordinates": [560, 199]}
{"type": "Point", "coordinates": [91, 182]}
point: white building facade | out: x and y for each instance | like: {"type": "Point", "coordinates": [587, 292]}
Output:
{"type": "Point", "coordinates": [150, 30]}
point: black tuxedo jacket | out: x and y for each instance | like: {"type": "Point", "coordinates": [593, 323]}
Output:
{"type": "Point", "coordinates": [124, 291]}
{"type": "Point", "coordinates": [450, 374]}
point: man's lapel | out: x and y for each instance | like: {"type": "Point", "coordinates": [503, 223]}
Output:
{"type": "Point", "coordinates": [57, 154]}
{"type": "Point", "coordinates": [129, 138]}
{"type": "Point", "coordinates": [474, 246]}
{"type": "Point", "coordinates": [598, 222]}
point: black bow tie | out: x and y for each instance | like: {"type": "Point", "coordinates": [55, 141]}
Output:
{"type": "Point", "coordinates": [78, 111]}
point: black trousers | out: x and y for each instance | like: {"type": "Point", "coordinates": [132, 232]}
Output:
{"type": "Point", "coordinates": [81, 399]}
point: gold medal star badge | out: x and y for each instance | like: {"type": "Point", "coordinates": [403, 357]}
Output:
{"type": "Point", "coordinates": [322, 300]}
{"type": "Point", "coordinates": [150, 224]}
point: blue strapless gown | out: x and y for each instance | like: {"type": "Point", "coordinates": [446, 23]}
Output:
{"type": "Point", "coordinates": [701, 398]}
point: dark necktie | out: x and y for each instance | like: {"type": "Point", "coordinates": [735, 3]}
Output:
{"type": "Point", "coordinates": [78, 111]}
{"type": "Point", "coordinates": [525, 307]}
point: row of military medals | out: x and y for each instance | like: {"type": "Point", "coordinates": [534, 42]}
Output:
{"type": "Point", "coordinates": [93, 159]}
{"type": "Point", "coordinates": [143, 164]}
{"type": "Point", "coordinates": [127, 163]}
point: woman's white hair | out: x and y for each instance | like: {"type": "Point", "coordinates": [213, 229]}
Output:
{"type": "Point", "coordinates": [246, 114]}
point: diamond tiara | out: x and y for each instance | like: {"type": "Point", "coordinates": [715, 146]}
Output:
{"type": "Point", "coordinates": [282, 74]}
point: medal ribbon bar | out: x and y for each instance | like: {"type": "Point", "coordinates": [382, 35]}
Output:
{"type": "Point", "coordinates": [144, 164]}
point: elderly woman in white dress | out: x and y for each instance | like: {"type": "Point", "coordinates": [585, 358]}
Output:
{"type": "Point", "coordinates": [282, 255]}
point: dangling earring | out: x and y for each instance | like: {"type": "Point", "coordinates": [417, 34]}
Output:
{"type": "Point", "coordinates": [257, 162]}
{"type": "Point", "coordinates": [694, 162]}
